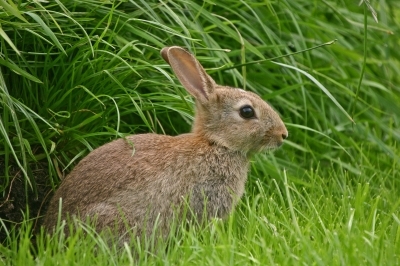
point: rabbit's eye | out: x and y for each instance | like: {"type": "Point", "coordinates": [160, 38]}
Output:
{"type": "Point", "coordinates": [247, 112]}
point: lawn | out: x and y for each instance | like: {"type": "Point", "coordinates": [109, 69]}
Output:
{"type": "Point", "coordinates": [77, 74]}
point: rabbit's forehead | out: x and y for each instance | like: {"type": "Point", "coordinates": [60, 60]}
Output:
{"type": "Point", "coordinates": [239, 103]}
{"type": "Point", "coordinates": [247, 98]}
{"type": "Point", "coordinates": [236, 98]}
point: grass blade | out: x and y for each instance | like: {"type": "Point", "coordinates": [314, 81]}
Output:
{"type": "Point", "coordinates": [319, 85]}
{"type": "Point", "coordinates": [47, 30]}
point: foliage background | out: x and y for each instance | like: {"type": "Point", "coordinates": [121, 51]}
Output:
{"type": "Point", "coordinates": [77, 74]}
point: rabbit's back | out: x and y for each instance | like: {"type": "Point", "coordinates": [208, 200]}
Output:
{"type": "Point", "coordinates": [151, 175]}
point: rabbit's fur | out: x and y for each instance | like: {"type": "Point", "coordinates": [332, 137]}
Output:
{"type": "Point", "coordinates": [146, 178]}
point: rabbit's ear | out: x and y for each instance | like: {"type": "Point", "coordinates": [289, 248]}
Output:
{"type": "Point", "coordinates": [189, 72]}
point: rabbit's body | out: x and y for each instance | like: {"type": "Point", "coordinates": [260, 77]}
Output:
{"type": "Point", "coordinates": [140, 193]}
{"type": "Point", "coordinates": [142, 179]}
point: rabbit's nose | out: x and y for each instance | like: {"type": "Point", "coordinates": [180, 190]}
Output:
{"type": "Point", "coordinates": [283, 132]}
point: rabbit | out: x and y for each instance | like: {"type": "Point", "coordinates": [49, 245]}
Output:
{"type": "Point", "coordinates": [143, 181]}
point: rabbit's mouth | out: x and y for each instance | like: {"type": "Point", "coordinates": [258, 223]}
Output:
{"type": "Point", "coordinates": [275, 138]}
{"type": "Point", "coordinates": [268, 147]}
{"type": "Point", "coordinates": [273, 146]}
{"type": "Point", "coordinates": [274, 142]}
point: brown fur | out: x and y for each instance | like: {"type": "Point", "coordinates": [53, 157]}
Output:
{"type": "Point", "coordinates": [145, 178]}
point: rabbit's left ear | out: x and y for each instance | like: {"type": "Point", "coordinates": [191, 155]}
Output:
{"type": "Point", "coordinates": [189, 72]}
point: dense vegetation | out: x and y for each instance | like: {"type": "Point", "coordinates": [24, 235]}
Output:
{"type": "Point", "coordinates": [76, 74]}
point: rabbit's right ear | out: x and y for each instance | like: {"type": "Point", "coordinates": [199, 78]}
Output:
{"type": "Point", "coordinates": [189, 72]}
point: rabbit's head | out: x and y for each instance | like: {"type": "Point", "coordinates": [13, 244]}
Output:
{"type": "Point", "coordinates": [236, 119]}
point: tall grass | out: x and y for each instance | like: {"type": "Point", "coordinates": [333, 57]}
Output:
{"type": "Point", "coordinates": [77, 74]}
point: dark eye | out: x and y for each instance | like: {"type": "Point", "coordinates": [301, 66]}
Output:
{"type": "Point", "coordinates": [247, 112]}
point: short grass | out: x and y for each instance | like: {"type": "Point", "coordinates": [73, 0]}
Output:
{"type": "Point", "coordinates": [77, 74]}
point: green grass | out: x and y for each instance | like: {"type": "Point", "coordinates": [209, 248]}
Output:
{"type": "Point", "coordinates": [77, 74]}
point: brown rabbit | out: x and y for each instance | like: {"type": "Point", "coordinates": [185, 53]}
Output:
{"type": "Point", "coordinates": [143, 179]}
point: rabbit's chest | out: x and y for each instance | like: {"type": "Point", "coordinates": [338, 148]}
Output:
{"type": "Point", "coordinates": [217, 195]}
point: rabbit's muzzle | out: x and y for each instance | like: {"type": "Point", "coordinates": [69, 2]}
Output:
{"type": "Point", "coordinates": [276, 137]}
